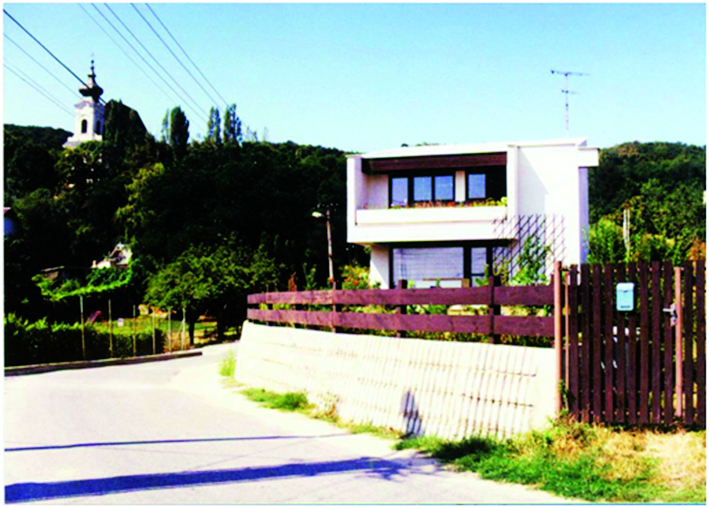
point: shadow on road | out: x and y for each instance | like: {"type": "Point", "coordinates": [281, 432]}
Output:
{"type": "Point", "coordinates": [26, 492]}
{"type": "Point", "coordinates": [165, 441]}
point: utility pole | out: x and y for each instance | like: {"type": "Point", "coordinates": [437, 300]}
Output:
{"type": "Point", "coordinates": [566, 92]}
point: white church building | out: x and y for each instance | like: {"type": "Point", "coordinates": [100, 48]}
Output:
{"type": "Point", "coordinates": [450, 215]}
{"type": "Point", "coordinates": [89, 114]}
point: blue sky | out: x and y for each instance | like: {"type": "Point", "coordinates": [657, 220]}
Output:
{"type": "Point", "coordinates": [364, 77]}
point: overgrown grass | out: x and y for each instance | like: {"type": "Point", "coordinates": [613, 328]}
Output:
{"type": "Point", "coordinates": [290, 401]}
{"type": "Point", "coordinates": [586, 462]}
{"type": "Point", "coordinates": [227, 365]}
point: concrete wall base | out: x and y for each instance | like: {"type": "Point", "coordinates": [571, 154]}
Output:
{"type": "Point", "coordinates": [422, 387]}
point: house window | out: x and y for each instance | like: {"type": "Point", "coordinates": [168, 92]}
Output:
{"type": "Point", "coordinates": [399, 191]}
{"type": "Point", "coordinates": [488, 182]}
{"type": "Point", "coordinates": [428, 267]}
{"type": "Point", "coordinates": [84, 126]}
{"type": "Point", "coordinates": [421, 189]}
{"type": "Point", "coordinates": [98, 127]}
{"type": "Point", "coordinates": [476, 186]}
{"type": "Point", "coordinates": [442, 266]}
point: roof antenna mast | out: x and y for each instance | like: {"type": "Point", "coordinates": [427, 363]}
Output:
{"type": "Point", "coordinates": [566, 92]}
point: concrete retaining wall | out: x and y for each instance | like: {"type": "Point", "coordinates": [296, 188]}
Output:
{"type": "Point", "coordinates": [447, 389]}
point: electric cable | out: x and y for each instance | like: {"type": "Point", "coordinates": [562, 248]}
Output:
{"type": "Point", "coordinates": [171, 99]}
{"type": "Point", "coordinates": [138, 53]}
{"type": "Point", "coordinates": [173, 54]}
{"type": "Point", "coordinates": [38, 88]}
{"type": "Point", "coordinates": [155, 59]}
{"type": "Point", "coordinates": [185, 53]}
{"type": "Point", "coordinates": [46, 49]}
{"type": "Point", "coordinates": [73, 92]}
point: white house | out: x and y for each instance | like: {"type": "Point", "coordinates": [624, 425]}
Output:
{"type": "Point", "coordinates": [446, 214]}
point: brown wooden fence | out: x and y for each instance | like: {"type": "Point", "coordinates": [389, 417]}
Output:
{"type": "Point", "coordinates": [492, 296]}
{"type": "Point", "coordinates": [642, 366]}
{"type": "Point", "coordinates": [645, 366]}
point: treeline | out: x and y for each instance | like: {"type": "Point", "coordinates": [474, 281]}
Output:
{"type": "Point", "coordinates": [658, 191]}
{"type": "Point", "coordinates": [208, 222]}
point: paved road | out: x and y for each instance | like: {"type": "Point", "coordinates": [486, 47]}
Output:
{"type": "Point", "coordinates": [169, 433]}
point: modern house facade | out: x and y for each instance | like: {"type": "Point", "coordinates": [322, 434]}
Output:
{"type": "Point", "coordinates": [450, 215]}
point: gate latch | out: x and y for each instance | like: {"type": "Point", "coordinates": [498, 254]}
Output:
{"type": "Point", "coordinates": [672, 311]}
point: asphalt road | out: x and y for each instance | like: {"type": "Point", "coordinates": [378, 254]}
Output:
{"type": "Point", "coordinates": [169, 433]}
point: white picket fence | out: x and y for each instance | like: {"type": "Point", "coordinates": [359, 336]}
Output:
{"type": "Point", "coordinates": [447, 389]}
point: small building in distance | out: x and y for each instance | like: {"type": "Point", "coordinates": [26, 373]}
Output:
{"type": "Point", "coordinates": [452, 215]}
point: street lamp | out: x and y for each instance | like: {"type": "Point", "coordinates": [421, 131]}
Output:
{"type": "Point", "coordinates": [319, 215]}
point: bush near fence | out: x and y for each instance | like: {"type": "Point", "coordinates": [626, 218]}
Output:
{"type": "Point", "coordinates": [40, 342]}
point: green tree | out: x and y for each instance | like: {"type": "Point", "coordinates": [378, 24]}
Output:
{"type": "Point", "coordinates": [211, 280]}
{"type": "Point", "coordinates": [232, 125]}
{"type": "Point", "coordinates": [213, 127]}
{"type": "Point", "coordinates": [179, 134]}
{"type": "Point", "coordinates": [605, 242]}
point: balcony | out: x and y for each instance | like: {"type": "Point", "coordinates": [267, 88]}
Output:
{"type": "Point", "coordinates": [446, 223]}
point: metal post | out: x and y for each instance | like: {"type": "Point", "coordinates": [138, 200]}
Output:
{"type": "Point", "coordinates": [558, 331]}
{"type": "Point", "coordinates": [134, 325]}
{"type": "Point", "coordinates": [329, 249]}
{"type": "Point", "coordinates": [83, 337]}
{"type": "Point", "coordinates": [678, 342]}
{"type": "Point", "coordinates": [110, 330]}
{"type": "Point", "coordinates": [169, 319]}
{"type": "Point", "coordinates": [153, 323]}
{"type": "Point", "coordinates": [183, 329]}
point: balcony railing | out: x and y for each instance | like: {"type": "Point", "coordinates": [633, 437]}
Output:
{"type": "Point", "coordinates": [432, 215]}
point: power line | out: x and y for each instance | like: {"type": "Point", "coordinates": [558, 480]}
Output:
{"type": "Point", "coordinates": [155, 59]}
{"type": "Point", "coordinates": [171, 99]}
{"type": "Point", "coordinates": [138, 53]}
{"type": "Point", "coordinates": [38, 88]}
{"type": "Point", "coordinates": [185, 53]}
{"type": "Point", "coordinates": [46, 49]}
{"type": "Point", "coordinates": [173, 54]}
{"type": "Point", "coordinates": [73, 92]}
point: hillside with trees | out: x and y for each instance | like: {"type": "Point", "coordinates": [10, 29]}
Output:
{"type": "Point", "coordinates": [208, 222]}
{"type": "Point", "coordinates": [662, 186]}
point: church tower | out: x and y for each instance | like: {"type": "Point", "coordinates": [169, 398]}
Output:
{"type": "Point", "coordinates": [89, 114]}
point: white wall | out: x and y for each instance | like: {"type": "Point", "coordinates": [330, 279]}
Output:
{"type": "Point", "coordinates": [447, 389]}
{"type": "Point", "coordinates": [379, 265]}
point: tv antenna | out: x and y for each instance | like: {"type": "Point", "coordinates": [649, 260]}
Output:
{"type": "Point", "coordinates": [566, 92]}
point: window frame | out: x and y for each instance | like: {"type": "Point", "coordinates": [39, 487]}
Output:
{"type": "Point", "coordinates": [467, 246]}
{"type": "Point", "coordinates": [410, 187]}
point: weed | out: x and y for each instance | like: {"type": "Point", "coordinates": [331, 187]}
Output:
{"type": "Point", "coordinates": [290, 401]}
{"type": "Point", "coordinates": [586, 462]}
{"type": "Point", "coordinates": [227, 365]}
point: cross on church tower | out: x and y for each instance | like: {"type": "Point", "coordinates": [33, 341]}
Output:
{"type": "Point", "coordinates": [89, 113]}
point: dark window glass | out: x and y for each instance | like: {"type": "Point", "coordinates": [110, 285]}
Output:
{"type": "Point", "coordinates": [478, 261]}
{"type": "Point", "coordinates": [444, 188]}
{"type": "Point", "coordinates": [98, 127]}
{"type": "Point", "coordinates": [399, 191]}
{"type": "Point", "coordinates": [84, 126]}
{"type": "Point", "coordinates": [422, 188]}
{"type": "Point", "coordinates": [476, 186]}
{"type": "Point", "coordinates": [429, 266]}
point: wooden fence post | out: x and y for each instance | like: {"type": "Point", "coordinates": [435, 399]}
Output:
{"type": "Point", "coordinates": [401, 309]}
{"type": "Point", "coordinates": [493, 310]}
{"type": "Point", "coordinates": [558, 331]}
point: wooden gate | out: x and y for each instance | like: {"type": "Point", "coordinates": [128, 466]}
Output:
{"type": "Point", "coordinates": [641, 366]}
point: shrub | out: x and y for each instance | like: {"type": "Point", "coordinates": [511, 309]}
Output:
{"type": "Point", "coordinates": [39, 342]}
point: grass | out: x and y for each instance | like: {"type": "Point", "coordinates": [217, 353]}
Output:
{"type": "Point", "coordinates": [587, 462]}
{"type": "Point", "coordinates": [227, 365]}
{"type": "Point", "coordinates": [290, 401]}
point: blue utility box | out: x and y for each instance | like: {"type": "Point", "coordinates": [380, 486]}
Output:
{"type": "Point", "coordinates": [625, 296]}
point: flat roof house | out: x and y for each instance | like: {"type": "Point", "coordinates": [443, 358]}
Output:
{"type": "Point", "coordinates": [446, 214]}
